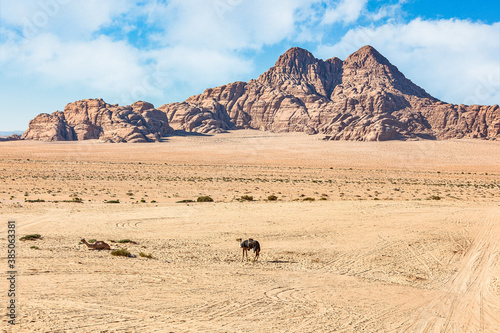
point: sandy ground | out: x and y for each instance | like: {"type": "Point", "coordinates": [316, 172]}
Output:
{"type": "Point", "coordinates": [364, 237]}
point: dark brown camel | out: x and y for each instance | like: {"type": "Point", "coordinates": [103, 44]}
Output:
{"type": "Point", "coordinates": [248, 245]}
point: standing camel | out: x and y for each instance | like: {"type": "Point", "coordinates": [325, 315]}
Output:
{"type": "Point", "coordinates": [248, 245]}
{"type": "Point", "coordinates": [98, 245]}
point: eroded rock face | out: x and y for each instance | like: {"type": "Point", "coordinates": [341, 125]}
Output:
{"type": "Point", "coordinates": [48, 127]}
{"type": "Point", "coordinates": [363, 98]}
{"type": "Point", "coordinates": [96, 119]}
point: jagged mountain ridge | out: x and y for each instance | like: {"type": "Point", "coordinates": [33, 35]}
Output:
{"type": "Point", "coordinates": [363, 98]}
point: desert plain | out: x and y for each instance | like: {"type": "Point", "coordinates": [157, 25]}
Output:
{"type": "Point", "coordinates": [362, 237]}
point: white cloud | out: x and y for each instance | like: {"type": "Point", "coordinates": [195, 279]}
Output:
{"type": "Point", "coordinates": [390, 11]}
{"type": "Point", "coordinates": [227, 24]}
{"type": "Point", "coordinates": [196, 69]}
{"type": "Point", "coordinates": [347, 11]}
{"type": "Point", "coordinates": [101, 63]}
{"type": "Point", "coordinates": [65, 18]}
{"type": "Point", "coordinates": [454, 60]}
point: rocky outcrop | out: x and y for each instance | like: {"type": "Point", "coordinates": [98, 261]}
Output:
{"type": "Point", "coordinates": [362, 98]}
{"type": "Point", "coordinates": [96, 119]}
{"type": "Point", "coordinates": [48, 127]}
{"type": "Point", "coordinates": [12, 137]}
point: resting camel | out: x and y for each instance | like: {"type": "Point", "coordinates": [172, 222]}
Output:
{"type": "Point", "coordinates": [98, 245]}
{"type": "Point", "coordinates": [248, 245]}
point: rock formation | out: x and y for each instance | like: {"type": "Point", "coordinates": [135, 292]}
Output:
{"type": "Point", "coordinates": [362, 98]}
{"type": "Point", "coordinates": [12, 137]}
{"type": "Point", "coordinates": [95, 119]}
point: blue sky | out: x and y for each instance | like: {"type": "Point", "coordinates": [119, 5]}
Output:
{"type": "Point", "coordinates": [53, 52]}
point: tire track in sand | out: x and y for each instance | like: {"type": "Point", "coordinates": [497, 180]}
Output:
{"type": "Point", "coordinates": [469, 302]}
{"type": "Point", "coordinates": [135, 224]}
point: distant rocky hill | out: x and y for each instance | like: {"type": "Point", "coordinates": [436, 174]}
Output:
{"type": "Point", "coordinates": [363, 98]}
{"type": "Point", "coordinates": [12, 137]}
{"type": "Point", "coordinates": [96, 119]}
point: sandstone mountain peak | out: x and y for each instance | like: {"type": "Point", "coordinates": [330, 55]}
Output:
{"type": "Point", "coordinates": [294, 56]}
{"type": "Point", "coordinates": [368, 52]}
{"type": "Point", "coordinates": [364, 97]}
{"type": "Point", "coordinates": [370, 69]}
{"type": "Point", "coordinates": [367, 56]}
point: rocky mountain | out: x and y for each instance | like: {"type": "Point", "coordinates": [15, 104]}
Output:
{"type": "Point", "coordinates": [363, 98]}
{"type": "Point", "coordinates": [96, 119]}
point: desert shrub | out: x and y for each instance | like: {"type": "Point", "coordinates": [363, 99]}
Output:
{"type": "Point", "coordinates": [112, 201]}
{"type": "Point", "coordinates": [120, 253]}
{"type": "Point", "coordinates": [185, 201]}
{"type": "Point", "coordinates": [434, 197]}
{"type": "Point", "coordinates": [272, 198]}
{"type": "Point", "coordinates": [323, 198]}
{"type": "Point", "coordinates": [144, 255]}
{"type": "Point", "coordinates": [153, 201]}
{"type": "Point", "coordinates": [75, 200]}
{"type": "Point", "coordinates": [143, 201]}
{"type": "Point", "coordinates": [308, 199]}
{"type": "Point", "coordinates": [30, 237]}
{"type": "Point", "coordinates": [126, 241]}
{"type": "Point", "coordinates": [205, 198]}
{"type": "Point", "coordinates": [34, 247]}
{"type": "Point", "coordinates": [37, 200]}
{"type": "Point", "coordinates": [92, 241]}
{"type": "Point", "coordinates": [246, 198]}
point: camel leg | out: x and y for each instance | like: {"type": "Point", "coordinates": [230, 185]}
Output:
{"type": "Point", "coordinates": [246, 253]}
{"type": "Point", "coordinates": [256, 255]}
